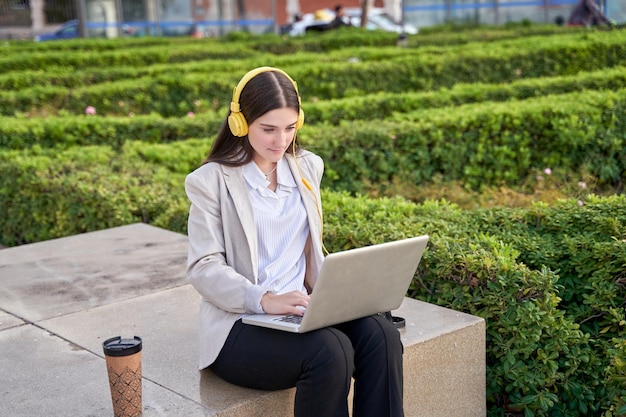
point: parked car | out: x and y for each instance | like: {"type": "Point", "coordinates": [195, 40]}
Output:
{"type": "Point", "coordinates": [310, 22]}
{"type": "Point", "coordinates": [68, 30]}
{"type": "Point", "coordinates": [377, 19]}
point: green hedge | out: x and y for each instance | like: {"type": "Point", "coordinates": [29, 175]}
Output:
{"type": "Point", "coordinates": [24, 132]}
{"type": "Point", "coordinates": [546, 355]}
{"type": "Point", "coordinates": [78, 190]}
{"type": "Point", "coordinates": [542, 359]}
{"type": "Point", "coordinates": [436, 68]}
{"type": "Point", "coordinates": [92, 44]}
{"type": "Point", "coordinates": [56, 76]}
{"type": "Point", "coordinates": [69, 131]}
{"type": "Point", "coordinates": [480, 145]}
{"type": "Point", "coordinates": [384, 105]}
{"type": "Point", "coordinates": [313, 42]}
{"type": "Point", "coordinates": [420, 70]}
{"type": "Point", "coordinates": [46, 66]}
{"type": "Point", "coordinates": [485, 144]}
{"type": "Point", "coordinates": [144, 55]}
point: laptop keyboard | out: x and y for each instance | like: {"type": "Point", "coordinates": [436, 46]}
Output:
{"type": "Point", "coordinates": [291, 318]}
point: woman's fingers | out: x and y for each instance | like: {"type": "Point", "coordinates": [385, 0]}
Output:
{"type": "Point", "coordinates": [289, 303]}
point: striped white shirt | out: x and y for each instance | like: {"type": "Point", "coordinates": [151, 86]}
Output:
{"type": "Point", "coordinates": [282, 229]}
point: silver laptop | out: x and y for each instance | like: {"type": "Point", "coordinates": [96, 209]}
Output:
{"type": "Point", "coordinates": [354, 284]}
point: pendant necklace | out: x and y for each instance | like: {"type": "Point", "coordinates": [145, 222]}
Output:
{"type": "Point", "coordinates": [267, 175]}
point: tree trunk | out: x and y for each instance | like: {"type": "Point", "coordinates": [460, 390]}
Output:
{"type": "Point", "coordinates": [364, 10]}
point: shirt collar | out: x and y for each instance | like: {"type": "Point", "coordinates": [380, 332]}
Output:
{"type": "Point", "coordinates": [285, 177]}
{"type": "Point", "coordinates": [256, 179]}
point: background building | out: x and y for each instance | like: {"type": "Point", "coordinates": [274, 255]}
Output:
{"type": "Point", "coordinates": [110, 18]}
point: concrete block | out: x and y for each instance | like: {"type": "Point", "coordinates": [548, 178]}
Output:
{"type": "Point", "coordinates": [444, 362]}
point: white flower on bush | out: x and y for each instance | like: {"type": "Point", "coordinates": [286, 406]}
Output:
{"type": "Point", "coordinates": [90, 110]}
{"type": "Point", "coordinates": [548, 171]}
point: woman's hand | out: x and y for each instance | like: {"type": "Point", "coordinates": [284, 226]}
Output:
{"type": "Point", "coordinates": [288, 303]}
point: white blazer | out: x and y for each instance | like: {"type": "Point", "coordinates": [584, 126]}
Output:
{"type": "Point", "coordinates": [223, 258]}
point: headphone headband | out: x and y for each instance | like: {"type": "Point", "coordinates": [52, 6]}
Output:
{"type": "Point", "coordinates": [250, 75]}
{"type": "Point", "coordinates": [236, 121]}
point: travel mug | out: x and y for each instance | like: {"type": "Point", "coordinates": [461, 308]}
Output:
{"type": "Point", "coordinates": [123, 361]}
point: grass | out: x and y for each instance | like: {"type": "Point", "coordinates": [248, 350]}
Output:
{"type": "Point", "coordinates": [547, 186]}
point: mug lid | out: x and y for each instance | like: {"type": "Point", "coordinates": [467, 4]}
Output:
{"type": "Point", "coordinates": [116, 346]}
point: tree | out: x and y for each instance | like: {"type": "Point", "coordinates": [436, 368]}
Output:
{"type": "Point", "coordinates": [365, 4]}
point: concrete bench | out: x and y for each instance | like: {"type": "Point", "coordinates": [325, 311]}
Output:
{"type": "Point", "coordinates": [60, 299]}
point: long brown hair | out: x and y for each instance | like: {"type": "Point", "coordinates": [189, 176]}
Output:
{"type": "Point", "coordinates": [267, 91]}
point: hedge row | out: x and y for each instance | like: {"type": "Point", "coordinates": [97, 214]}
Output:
{"type": "Point", "coordinates": [60, 76]}
{"type": "Point", "coordinates": [79, 189]}
{"type": "Point", "coordinates": [337, 40]}
{"type": "Point", "coordinates": [546, 356]}
{"type": "Point", "coordinates": [21, 132]}
{"type": "Point", "coordinates": [45, 65]}
{"type": "Point", "coordinates": [144, 55]}
{"type": "Point", "coordinates": [485, 144]}
{"type": "Point", "coordinates": [313, 42]}
{"type": "Point", "coordinates": [69, 131]}
{"type": "Point", "coordinates": [91, 44]}
{"type": "Point", "coordinates": [434, 69]}
{"type": "Point", "coordinates": [384, 105]}
{"type": "Point", "coordinates": [555, 328]}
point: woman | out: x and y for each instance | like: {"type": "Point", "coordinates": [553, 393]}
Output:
{"type": "Point", "coordinates": [255, 247]}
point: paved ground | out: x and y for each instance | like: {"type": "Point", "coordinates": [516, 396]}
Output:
{"type": "Point", "coordinates": [60, 299]}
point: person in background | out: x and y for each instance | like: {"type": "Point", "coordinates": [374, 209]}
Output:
{"type": "Point", "coordinates": [587, 13]}
{"type": "Point", "coordinates": [338, 21]}
{"type": "Point", "coordinates": [285, 29]}
{"type": "Point", "coordinates": [255, 246]}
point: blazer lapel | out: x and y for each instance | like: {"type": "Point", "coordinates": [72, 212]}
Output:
{"type": "Point", "coordinates": [237, 188]}
{"type": "Point", "coordinates": [309, 199]}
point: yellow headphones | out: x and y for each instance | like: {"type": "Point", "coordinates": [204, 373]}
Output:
{"type": "Point", "coordinates": [236, 121]}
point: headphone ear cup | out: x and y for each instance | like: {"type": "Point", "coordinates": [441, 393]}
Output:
{"type": "Point", "coordinates": [300, 121]}
{"type": "Point", "coordinates": [237, 124]}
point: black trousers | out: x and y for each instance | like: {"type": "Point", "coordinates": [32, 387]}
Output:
{"type": "Point", "coordinates": [320, 364]}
